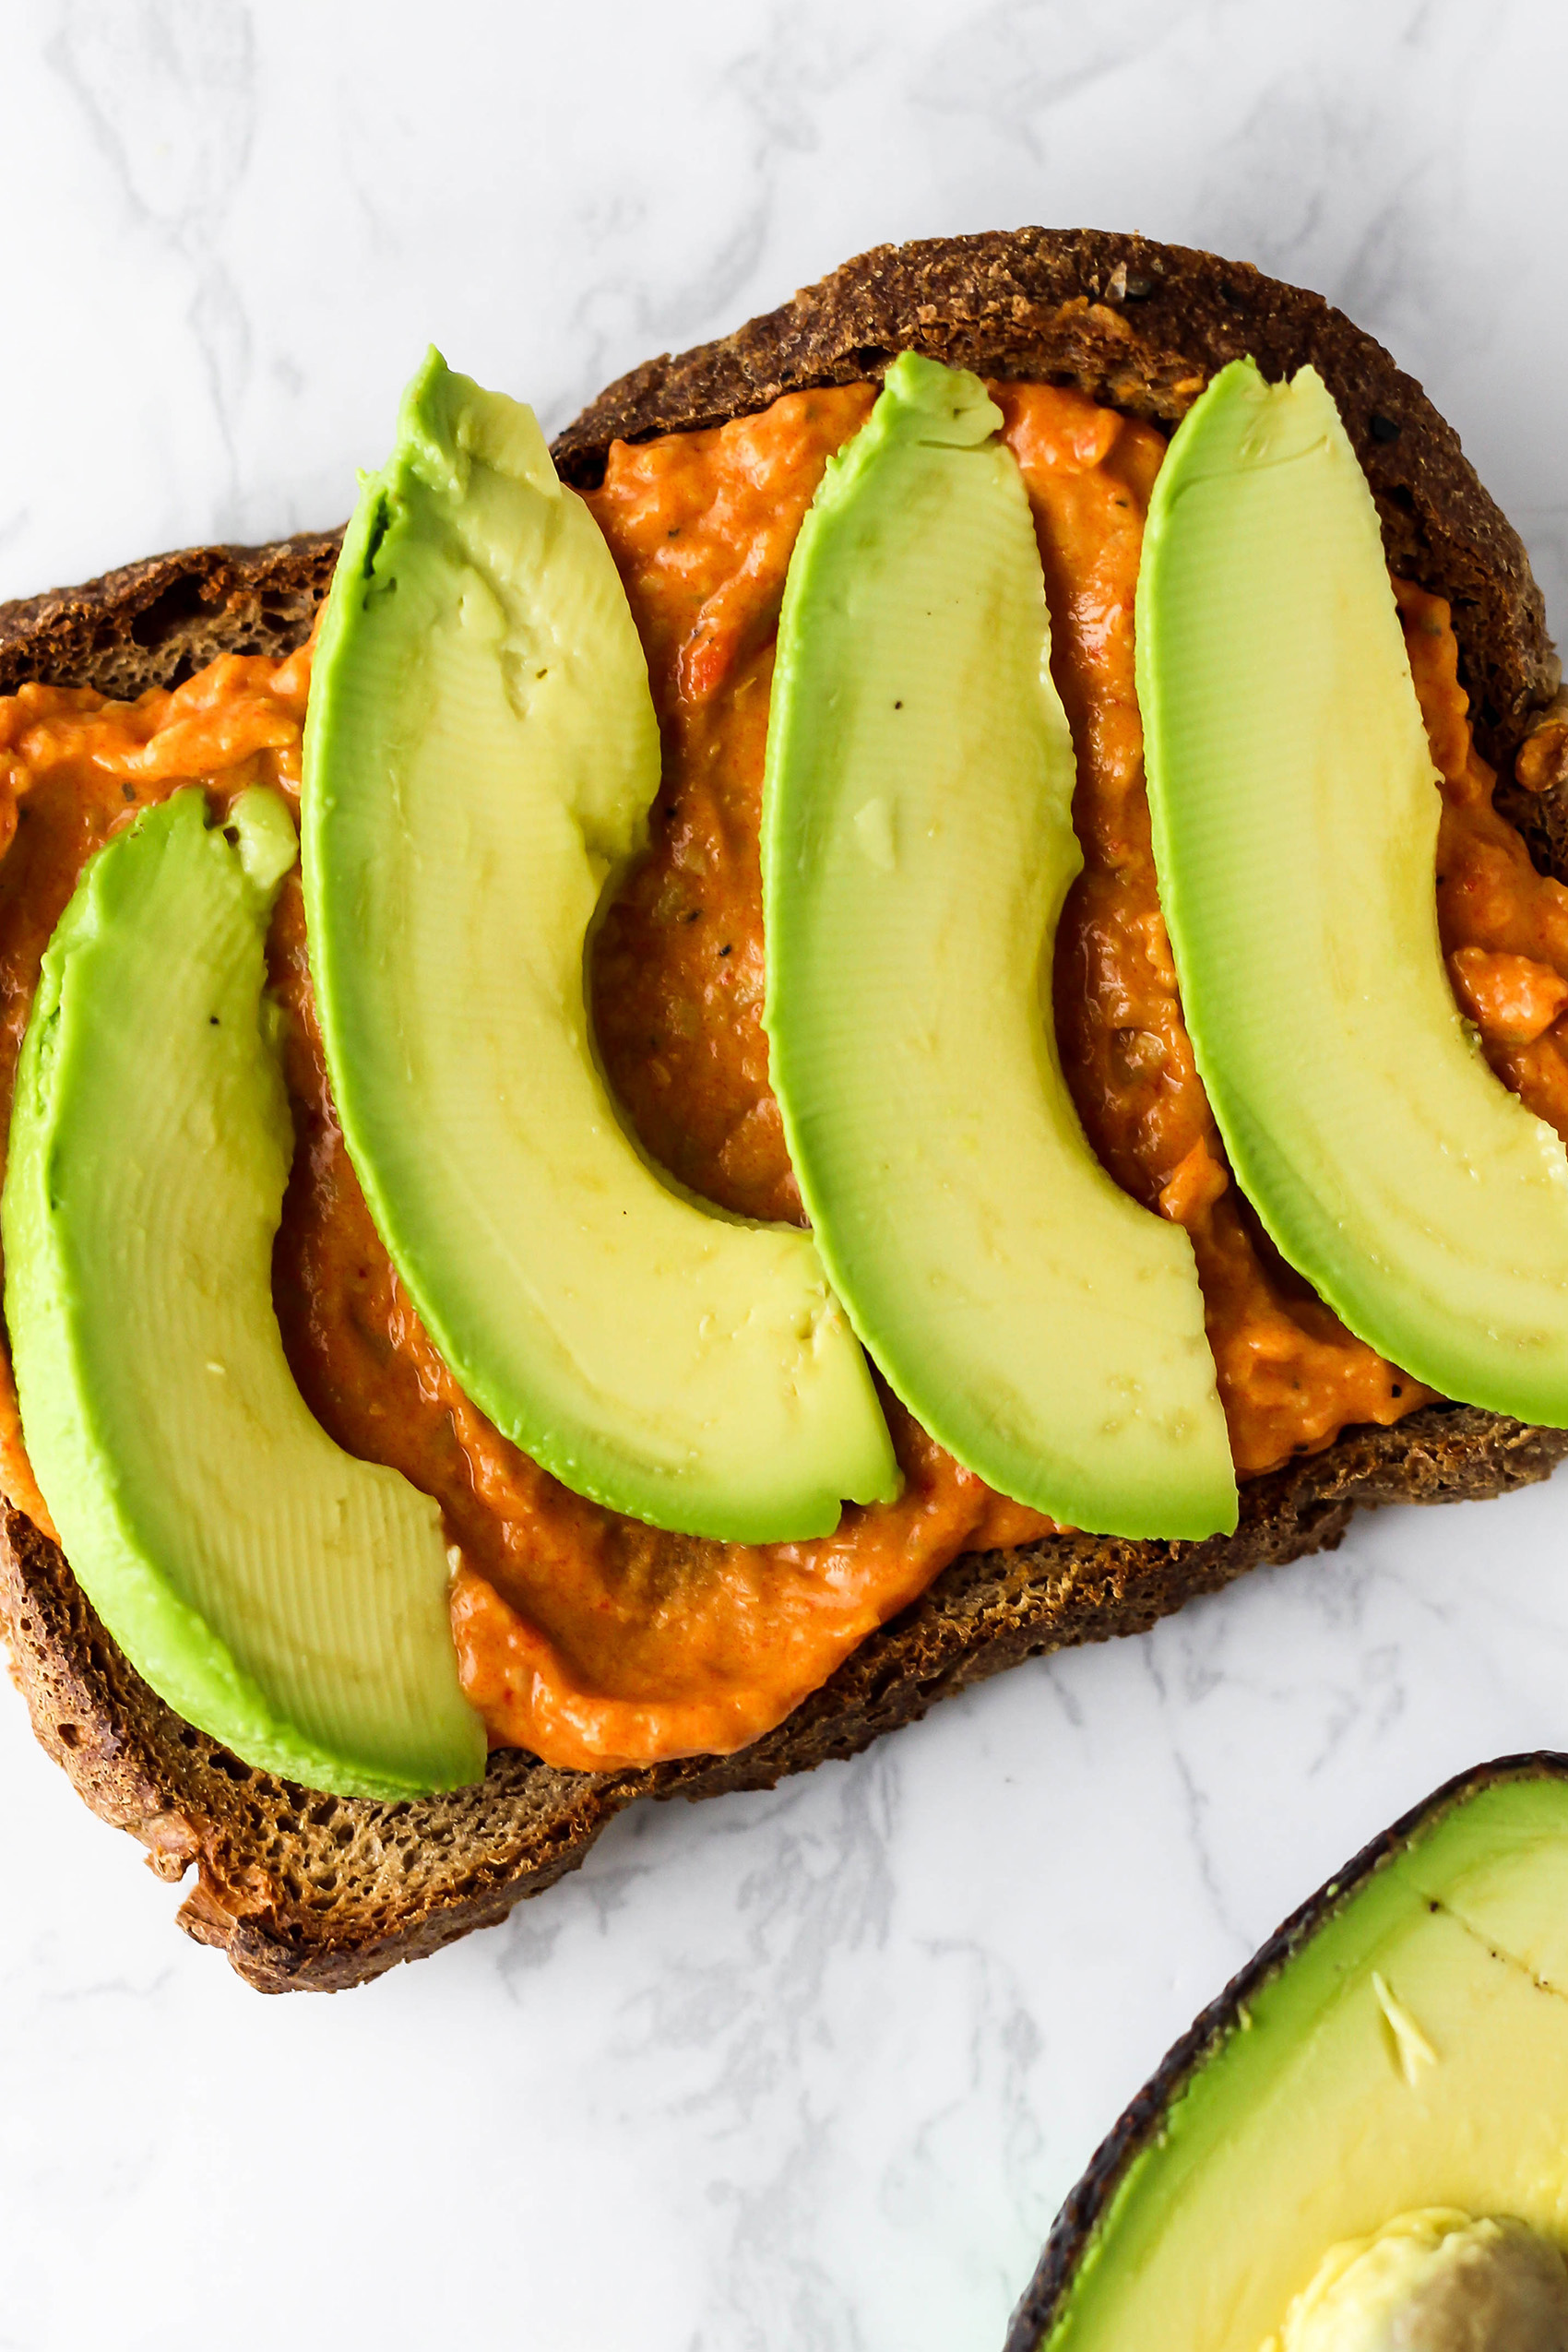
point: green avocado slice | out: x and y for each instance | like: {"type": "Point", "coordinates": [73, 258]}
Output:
{"type": "Point", "coordinates": [917, 847]}
{"type": "Point", "coordinates": [1295, 832]}
{"type": "Point", "coordinates": [1393, 2067]}
{"type": "Point", "coordinates": [278, 1592]}
{"type": "Point", "coordinates": [481, 755]}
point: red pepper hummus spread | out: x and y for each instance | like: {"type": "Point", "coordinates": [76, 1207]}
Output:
{"type": "Point", "coordinates": [589, 1638]}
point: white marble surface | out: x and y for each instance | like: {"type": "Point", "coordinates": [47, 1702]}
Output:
{"type": "Point", "coordinates": [809, 2072]}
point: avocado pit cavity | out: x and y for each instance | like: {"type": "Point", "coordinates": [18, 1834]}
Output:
{"type": "Point", "coordinates": [1436, 2281]}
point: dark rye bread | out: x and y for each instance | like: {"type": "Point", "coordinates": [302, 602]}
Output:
{"type": "Point", "coordinates": [323, 1892]}
{"type": "Point", "coordinates": [152, 623]}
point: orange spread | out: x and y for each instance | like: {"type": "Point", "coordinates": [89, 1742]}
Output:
{"type": "Point", "coordinates": [589, 1638]}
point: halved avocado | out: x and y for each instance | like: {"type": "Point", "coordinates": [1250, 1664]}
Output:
{"type": "Point", "coordinates": [1295, 830]}
{"type": "Point", "coordinates": [279, 1593]}
{"type": "Point", "coordinates": [917, 844]}
{"type": "Point", "coordinates": [1368, 2125]}
{"type": "Point", "coordinates": [481, 754]}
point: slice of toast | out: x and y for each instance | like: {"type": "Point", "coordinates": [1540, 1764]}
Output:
{"type": "Point", "coordinates": [325, 1891]}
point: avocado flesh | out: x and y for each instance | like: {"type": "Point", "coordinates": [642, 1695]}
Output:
{"type": "Point", "coordinates": [1410, 2052]}
{"type": "Point", "coordinates": [481, 754]}
{"type": "Point", "coordinates": [1295, 832]}
{"type": "Point", "coordinates": [917, 848]}
{"type": "Point", "coordinates": [275, 1592]}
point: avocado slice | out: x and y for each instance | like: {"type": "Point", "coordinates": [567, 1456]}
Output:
{"type": "Point", "coordinates": [279, 1593]}
{"type": "Point", "coordinates": [1366, 2126]}
{"type": "Point", "coordinates": [1295, 832]}
{"type": "Point", "coordinates": [917, 847]}
{"type": "Point", "coordinates": [481, 754]}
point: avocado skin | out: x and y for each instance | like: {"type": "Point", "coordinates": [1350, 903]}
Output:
{"type": "Point", "coordinates": [1076, 2232]}
{"type": "Point", "coordinates": [284, 1596]}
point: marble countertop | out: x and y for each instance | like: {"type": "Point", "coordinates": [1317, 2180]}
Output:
{"type": "Point", "coordinates": [807, 2071]}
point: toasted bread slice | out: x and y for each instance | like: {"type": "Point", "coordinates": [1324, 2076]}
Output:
{"type": "Point", "coordinates": [324, 1891]}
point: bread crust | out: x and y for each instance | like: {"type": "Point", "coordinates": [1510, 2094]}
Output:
{"type": "Point", "coordinates": [305, 1890]}
{"type": "Point", "coordinates": [1140, 326]}
{"type": "Point", "coordinates": [154, 623]}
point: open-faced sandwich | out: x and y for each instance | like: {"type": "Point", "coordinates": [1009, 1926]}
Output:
{"type": "Point", "coordinates": [918, 1017]}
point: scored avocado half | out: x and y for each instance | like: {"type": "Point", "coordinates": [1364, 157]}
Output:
{"type": "Point", "coordinates": [1296, 811]}
{"type": "Point", "coordinates": [917, 844]}
{"type": "Point", "coordinates": [481, 754]}
{"type": "Point", "coordinates": [1363, 2145]}
{"type": "Point", "coordinates": [282, 1595]}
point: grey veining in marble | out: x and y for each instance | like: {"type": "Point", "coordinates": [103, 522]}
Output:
{"type": "Point", "coordinates": [806, 2071]}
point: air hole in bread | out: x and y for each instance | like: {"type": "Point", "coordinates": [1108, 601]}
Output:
{"type": "Point", "coordinates": [181, 601]}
